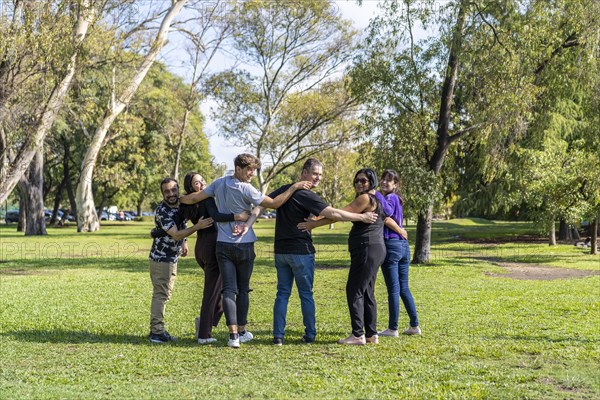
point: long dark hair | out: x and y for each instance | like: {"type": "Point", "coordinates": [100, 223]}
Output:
{"type": "Point", "coordinates": [189, 211]}
{"type": "Point", "coordinates": [373, 182]}
{"type": "Point", "coordinates": [396, 178]}
{"type": "Point", "coordinates": [371, 176]}
{"type": "Point", "coordinates": [187, 182]}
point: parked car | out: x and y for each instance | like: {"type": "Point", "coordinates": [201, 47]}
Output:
{"type": "Point", "coordinates": [48, 215]}
{"type": "Point", "coordinates": [68, 216]}
{"type": "Point", "coordinates": [11, 216]}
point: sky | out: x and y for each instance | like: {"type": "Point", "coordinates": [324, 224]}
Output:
{"type": "Point", "coordinates": [225, 152]}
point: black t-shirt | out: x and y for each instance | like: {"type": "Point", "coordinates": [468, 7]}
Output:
{"type": "Point", "coordinates": [288, 238]}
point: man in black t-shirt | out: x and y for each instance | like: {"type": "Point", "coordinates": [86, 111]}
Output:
{"type": "Point", "coordinates": [294, 250]}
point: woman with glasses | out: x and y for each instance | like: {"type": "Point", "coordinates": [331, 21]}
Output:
{"type": "Point", "coordinates": [211, 309]}
{"type": "Point", "coordinates": [397, 260]}
{"type": "Point", "coordinates": [367, 252]}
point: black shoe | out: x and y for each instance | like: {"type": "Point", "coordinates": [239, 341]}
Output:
{"type": "Point", "coordinates": [307, 339]}
{"type": "Point", "coordinates": [277, 341]}
{"type": "Point", "coordinates": [161, 338]}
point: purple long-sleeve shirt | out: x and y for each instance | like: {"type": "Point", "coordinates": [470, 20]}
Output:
{"type": "Point", "coordinates": [392, 208]}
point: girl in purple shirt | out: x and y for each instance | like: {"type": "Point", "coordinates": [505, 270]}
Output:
{"type": "Point", "coordinates": [397, 260]}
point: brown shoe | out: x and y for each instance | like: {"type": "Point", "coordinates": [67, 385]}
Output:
{"type": "Point", "coordinates": [373, 339]}
{"type": "Point", "coordinates": [353, 340]}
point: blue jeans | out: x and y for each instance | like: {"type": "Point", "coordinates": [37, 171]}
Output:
{"type": "Point", "coordinates": [236, 262]}
{"type": "Point", "coordinates": [395, 272]}
{"type": "Point", "coordinates": [300, 267]}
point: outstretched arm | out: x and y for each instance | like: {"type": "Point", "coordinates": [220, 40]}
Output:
{"type": "Point", "coordinates": [358, 205]}
{"type": "Point", "coordinates": [336, 214]}
{"type": "Point", "coordinates": [182, 234]}
{"type": "Point", "coordinates": [193, 198]}
{"type": "Point", "coordinates": [285, 196]}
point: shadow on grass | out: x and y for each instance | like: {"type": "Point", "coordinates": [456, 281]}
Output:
{"type": "Point", "coordinates": [528, 338]}
{"type": "Point", "coordinates": [262, 337]}
{"type": "Point", "coordinates": [38, 266]}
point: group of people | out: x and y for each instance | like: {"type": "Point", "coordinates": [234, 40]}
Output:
{"type": "Point", "coordinates": [227, 253]}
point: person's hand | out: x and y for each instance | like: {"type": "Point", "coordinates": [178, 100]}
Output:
{"type": "Point", "coordinates": [240, 229]}
{"type": "Point", "coordinates": [242, 217]}
{"type": "Point", "coordinates": [302, 185]}
{"type": "Point", "coordinates": [185, 250]}
{"type": "Point", "coordinates": [369, 217]}
{"type": "Point", "coordinates": [403, 233]}
{"type": "Point", "coordinates": [204, 223]}
{"type": "Point", "coordinates": [307, 225]}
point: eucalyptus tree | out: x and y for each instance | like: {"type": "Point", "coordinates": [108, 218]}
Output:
{"type": "Point", "coordinates": [474, 80]}
{"type": "Point", "coordinates": [87, 219]}
{"type": "Point", "coordinates": [204, 31]}
{"type": "Point", "coordinates": [290, 87]}
{"type": "Point", "coordinates": [38, 59]}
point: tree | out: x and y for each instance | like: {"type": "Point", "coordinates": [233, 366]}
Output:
{"type": "Point", "coordinates": [205, 30]}
{"type": "Point", "coordinates": [476, 82]}
{"type": "Point", "coordinates": [291, 90]}
{"type": "Point", "coordinates": [20, 65]}
{"type": "Point", "coordinates": [87, 220]}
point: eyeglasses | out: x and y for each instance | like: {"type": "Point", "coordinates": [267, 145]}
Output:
{"type": "Point", "coordinates": [362, 181]}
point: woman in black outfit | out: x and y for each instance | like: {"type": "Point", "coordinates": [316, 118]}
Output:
{"type": "Point", "coordinates": [211, 308]}
{"type": "Point", "coordinates": [367, 252]}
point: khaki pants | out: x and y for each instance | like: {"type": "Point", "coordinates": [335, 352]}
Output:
{"type": "Point", "coordinates": [162, 275]}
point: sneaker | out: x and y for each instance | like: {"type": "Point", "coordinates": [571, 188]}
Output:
{"type": "Point", "coordinates": [353, 340]}
{"type": "Point", "coordinates": [307, 339]}
{"type": "Point", "coordinates": [207, 340]}
{"type": "Point", "coordinates": [277, 341]}
{"type": "Point", "coordinates": [161, 338]}
{"type": "Point", "coordinates": [234, 343]}
{"type": "Point", "coordinates": [246, 337]}
{"type": "Point", "coordinates": [389, 332]}
{"type": "Point", "coordinates": [413, 330]}
{"type": "Point", "coordinates": [372, 340]}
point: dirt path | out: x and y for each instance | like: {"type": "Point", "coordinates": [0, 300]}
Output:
{"type": "Point", "coordinates": [537, 272]}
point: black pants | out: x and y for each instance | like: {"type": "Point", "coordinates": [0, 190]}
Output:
{"type": "Point", "coordinates": [365, 260]}
{"type": "Point", "coordinates": [212, 304]}
{"type": "Point", "coordinates": [236, 262]}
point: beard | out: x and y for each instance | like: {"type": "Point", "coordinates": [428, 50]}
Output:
{"type": "Point", "coordinates": [172, 200]}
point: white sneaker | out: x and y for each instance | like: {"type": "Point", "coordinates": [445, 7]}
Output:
{"type": "Point", "coordinates": [234, 343]}
{"type": "Point", "coordinates": [246, 337]}
{"type": "Point", "coordinates": [207, 340]}
{"type": "Point", "coordinates": [413, 330]}
{"type": "Point", "coordinates": [389, 332]}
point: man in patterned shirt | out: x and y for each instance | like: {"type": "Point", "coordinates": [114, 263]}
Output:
{"type": "Point", "coordinates": [164, 254]}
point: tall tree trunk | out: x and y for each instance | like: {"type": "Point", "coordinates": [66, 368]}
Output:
{"type": "Point", "coordinates": [57, 200]}
{"type": "Point", "coordinates": [175, 173]}
{"type": "Point", "coordinates": [22, 189]}
{"type": "Point", "coordinates": [139, 209]}
{"type": "Point", "coordinates": [563, 230]}
{"type": "Point", "coordinates": [552, 234]}
{"type": "Point", "coordinates": [28, 150]}
{"type": "Point", "coordinates": [575, 233]}
{"type": "Point", "coordinates": [67, 178]}
{"type": "Point", "coordinates": [594, 242]}
{"type": "Point", "coordinates": [103, 202]}
{"type": "Point", "coordinates": [423, 242]}
{"type": "Point", "coordinates": [87, 220]}
{"type": "Point", "coordinates": [423, 237]}
{"type": "Point", "coordinates": [36, 225]}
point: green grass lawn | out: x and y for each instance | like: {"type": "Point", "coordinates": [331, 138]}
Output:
{"type": "Point", "coordinates": [74, 316]}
